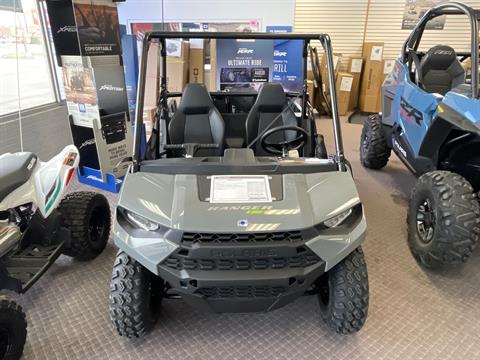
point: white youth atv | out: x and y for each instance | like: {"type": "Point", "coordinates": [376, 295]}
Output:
{"type": "Point", "coordinates": [36, 226]}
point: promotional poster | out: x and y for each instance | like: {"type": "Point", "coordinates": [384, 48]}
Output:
{"type": "Point", "coordinates": [287, 60]}
{"type": "Point", "coordinates": [414, 11]}
{"type": "Point", "coordinates": [80, 93]}
{"type": "Point", "coordinates": [84, 27]}
{"type": "Point", "coordinates": [243, 64]}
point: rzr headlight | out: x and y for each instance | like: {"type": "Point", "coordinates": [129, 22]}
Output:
{"type": "Point", "coordinates": [141, 222]}
{"type": "Point", "coordinates": [337, 219]}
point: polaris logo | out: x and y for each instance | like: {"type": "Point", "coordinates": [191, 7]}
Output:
{"type": "Point", "coordinates": [87, 143]}
{"type": "Point", "coordinates": [279, 53]}
{"type": "Point", "coordinates": [67, 28]}
{"type": "Point", "coordinates": [110, 88]}
{"type": "Point", "coordinates": [245, 51]}
{"type": "Point", "coordinates": [240, 207]}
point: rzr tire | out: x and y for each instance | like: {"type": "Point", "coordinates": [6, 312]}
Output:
{"type": "Point", "coordinates": [374, 150]}
{"type": "Point", "coordinates": [13, 328]}
{"type": "Point", "coordinates": [135, 297]}
{"type": "Point", "coordinates": [343, 294]}
{"type": "Point", "coordinates": [453, 215]}
{"type": "Point", "coordinates": [87, 215]}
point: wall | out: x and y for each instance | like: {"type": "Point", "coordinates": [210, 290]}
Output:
{"type": "Point", "coordinates": [348, 24]}
{"type": "Point", "coordinates": [269, 12]}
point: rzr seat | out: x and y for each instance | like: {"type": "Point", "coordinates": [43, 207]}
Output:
{"type": "Point", "coordinates": [440, 70]}
{"type": "Point", "coordinates": [197, 120]}
{"type": "Point", "coordinates": [15, 170]}
{"type": "Point", "coordinates": [270, 104]}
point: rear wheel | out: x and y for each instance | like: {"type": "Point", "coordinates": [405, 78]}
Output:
{"type": "Point", "coordinates": [87, 215]}
{"type": "Point", "coordinates": [135, 297]}
{"type": "Point", "coordinates": [343, 294]}
{"type": "Point", "coordinates": [13, 328]}
{"type": "Point", "coordinates": [443, 219]}
{"type": "Point", "coordinates": [374, 150]}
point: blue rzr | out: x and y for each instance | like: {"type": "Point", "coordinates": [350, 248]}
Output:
{"type": "Point", "coordinates": [430, 118]}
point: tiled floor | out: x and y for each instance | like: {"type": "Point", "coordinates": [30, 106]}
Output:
{"type": "Point", "coordinates": [414, 314]}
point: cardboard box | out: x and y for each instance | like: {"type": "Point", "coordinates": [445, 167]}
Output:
{"type": "Point", "coordinates": [311, 92]}
{"type": "Point", "coordinates": [196, 72]}
{"type": "Point", "coordinates": [370, 91]}
{"type": "Point", "coordinates": [213, 65]}
{"type": "Point", "coordinates": [177, 69]}
{"type": "Point", "coordinates": [355, 68]}
{"type": "Point", "coordinates": [343, 85]}
{"type": "Point", "coordinates": [323, 69]}
{"type": "Point", "coordinates": [372, 51]}
{"type": "Point", "coordinates": [151, 79]}
{"type": "Point", "coordinates": [148, 119]}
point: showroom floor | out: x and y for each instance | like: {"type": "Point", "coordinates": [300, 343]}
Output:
{"type": "Point", "coordinates": [414, 314]}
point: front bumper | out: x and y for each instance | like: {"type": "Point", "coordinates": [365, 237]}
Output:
{"type": "Point", "coordinates": [240, 272]}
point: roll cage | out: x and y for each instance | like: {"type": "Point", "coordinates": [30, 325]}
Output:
{"type": "Point", "coordinates": [451, 8]}
{"type": "Point", "coordinates": [162, 36]}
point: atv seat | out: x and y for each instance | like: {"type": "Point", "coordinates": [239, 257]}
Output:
{"type": "Point", "coordinates": [440, 70]}
{"type": "Point", "coordinates": [197, 120]}
{"type": "Point", "coordinates": [271, 104]}
{"type": "Point", "coordinates": [15, 170]}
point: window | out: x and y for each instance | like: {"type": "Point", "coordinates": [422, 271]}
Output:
{"type": "Point", "coordinates": [24, 62]}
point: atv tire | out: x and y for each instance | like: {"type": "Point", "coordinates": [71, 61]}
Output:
{"type": "Point", "coordinates": [443, 219]}
{"type": "Point", "coordinates": [343, 294]}
{"type": "Point", "coordinates": [374, 150]}
{"type": "Point", "coordinates": [135, 297]}
{"type": "Point", "coordinates": [13, 328]}
{"type": "Point", "coordinates": [87, 215]}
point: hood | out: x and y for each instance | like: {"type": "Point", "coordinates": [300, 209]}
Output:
{"type": "Point", "coordinates": [173, 201]}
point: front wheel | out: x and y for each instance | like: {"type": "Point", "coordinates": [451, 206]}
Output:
{"type": "Point", "coordinates": [87, 215]}
{"type": "Point", "coordinates": [13, 328]}
{"type": "Point", "coordinates": [135, 297]}
{"type": "Point", "coordinates": [343, 294]}
{"type": "Point", "coordinates": [374, 150]}
{"type": "Point", "coordinates": [443, 219]}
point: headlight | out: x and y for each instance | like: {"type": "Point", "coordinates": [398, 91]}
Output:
{"type": "Point", "coordinates": [337, 219]}
{"type": "Point", "coordinates": [141, 222]}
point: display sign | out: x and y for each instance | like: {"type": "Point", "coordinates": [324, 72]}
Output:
{"type": "Point", "coordinates": [240, 189]}
{"type": "Point", "coordinates": [84, 27]}
{"type": "Point", "coordinates": [243, 64]}
{"type": "Point", "coordinates": [287, 60]}
{"type": "Point", "coordinates": [414, 11]}
{"type": "Point", "coordinates": [98, 107]}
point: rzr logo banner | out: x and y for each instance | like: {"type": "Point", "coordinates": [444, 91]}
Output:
{"type": "Point", "coordinates": [409, 112]}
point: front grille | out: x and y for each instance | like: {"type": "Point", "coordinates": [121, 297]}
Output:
{"type": "Point", "coordinates": [242, 291]}
{"type": "Point", "coordinates": [288, 236]}
{"type": "Point", "coordinates": [180, 262]}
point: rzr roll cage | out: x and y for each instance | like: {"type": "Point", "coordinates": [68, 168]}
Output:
{"type": "Point", "coordinates": [162, 36]}
{"type": "Point", "coordinates": [451, 8]}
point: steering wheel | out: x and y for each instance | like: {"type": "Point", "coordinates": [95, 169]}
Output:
{"type": "Point", "coordinates": [283, 147]}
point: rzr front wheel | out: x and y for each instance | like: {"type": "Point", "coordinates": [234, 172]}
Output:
{"type": "Point", "coordinates": [443, 219]}
{"type": "Point", "coordinates": [374, 150]}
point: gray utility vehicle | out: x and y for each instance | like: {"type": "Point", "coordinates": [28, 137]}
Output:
{"type": "Point", "coordinates": [239, 208]}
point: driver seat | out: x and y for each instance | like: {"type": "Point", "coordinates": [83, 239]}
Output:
{"type": "Point", "coordinates": [15, 170]}
{"type": "Point", "coordinates": [197, 120]}
{"type": "Point", "coordinates": [440, 70]}
{"type": "Point", "coordinates": [271, 103]}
